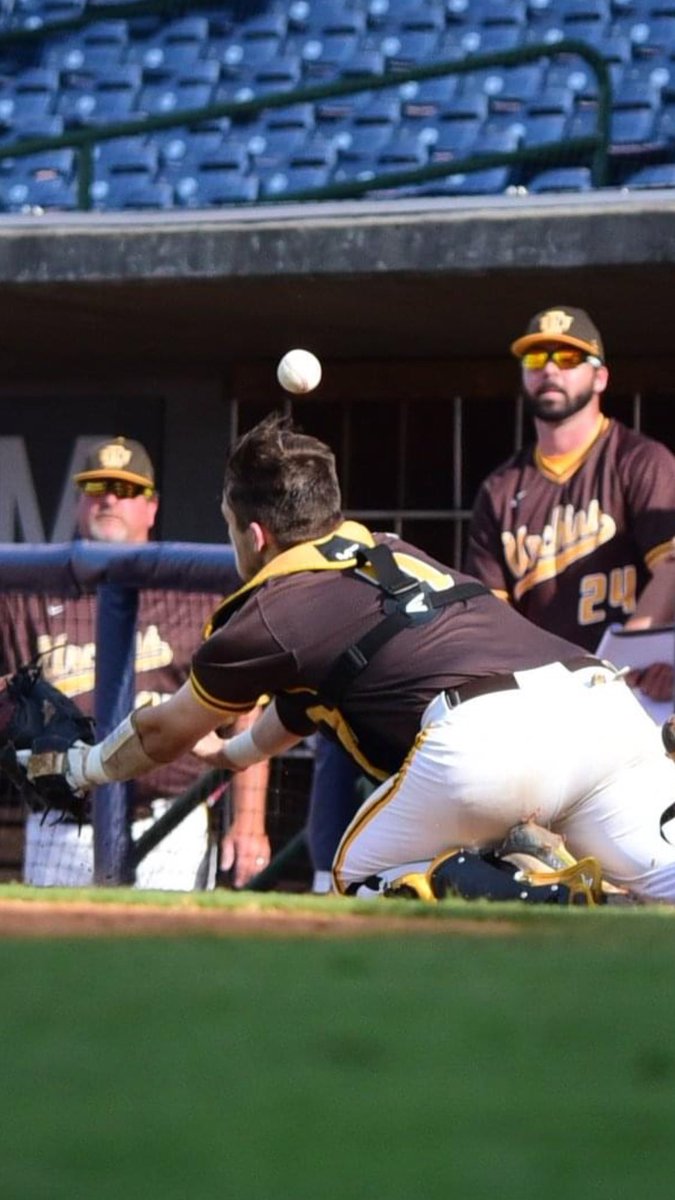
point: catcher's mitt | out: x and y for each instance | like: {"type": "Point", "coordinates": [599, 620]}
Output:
{"type": "Point", "coordinates": [36, 716]}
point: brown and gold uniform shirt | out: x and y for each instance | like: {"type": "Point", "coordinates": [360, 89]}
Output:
{"type": "Point", "coordinates": [282, 633]}
{"type": "Point", "coordinates": [63, 632]}
{"type": "Point", "coordinates": [572, 550]}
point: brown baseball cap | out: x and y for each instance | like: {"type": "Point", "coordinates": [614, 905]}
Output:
{"type": "Point", "coordinates": [118, 458]}
{"type": "Point", "coordinates": [564, 324]}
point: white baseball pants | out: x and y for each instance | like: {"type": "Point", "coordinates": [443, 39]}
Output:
{"type": "Point", "coordinates": [578, 756]}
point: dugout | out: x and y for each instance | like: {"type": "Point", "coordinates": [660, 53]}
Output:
{"type": "Point", "coordinates": [168, 328]}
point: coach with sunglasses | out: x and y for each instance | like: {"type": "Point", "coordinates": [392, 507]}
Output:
{"type": "Point", "coordinates": [118, 502]}
{"type": "Point", "coordinates": [577, 530]}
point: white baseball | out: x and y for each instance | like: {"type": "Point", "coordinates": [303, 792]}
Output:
{"type": "Point", "coordinates": [299, 371]}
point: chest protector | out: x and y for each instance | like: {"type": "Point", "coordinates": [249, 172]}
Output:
{"type": "Point", "coordinates": [408, 600]}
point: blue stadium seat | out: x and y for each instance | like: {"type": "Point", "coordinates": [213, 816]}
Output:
{"type": "Point", "coordinates": [408, 48]}
{"type": "Point", "coordinates": [115, 91]}
{"type": "Point", "coordinates": [403, 152]}
{"type": "Point", "coordinates": [655, 175]}
{"type": "Point", "coordinates": [305, 18]}
{"type": "Point", "coordinates": [280, 75]}
{"type": "Point", "coordinates": [396, 13]}
{"type": "Point", "coordinates": [492, 39]}
{"type": "Point", "coordinates": [655, 33]}
{"type": "Point", "coordinates": [32, 126]}
{"type": "Point", "coordinates": [277, 184]}
{"type": "Point", "coordinates": [293, 116]}
{"type": "Point", "coordinates": [586, 20]}
{"type": "Point", "coordinates": [22, 195]}
{"type": "Point", "coordinates": [228, 155]}
{"type": "Point", "coordinates": [546, 119]}
{"type": "Point", "coordinates": [458, 126]}
{"type": "Point", "coordinates": [457, 12]}
{"type": "Point", "coordinates": [317, 151]}
{"type": "Point", "coordinates": [179, 151]}
{"type": "Point", "coordinates": [213, 189]}
{"type": "Point", "coordinates": [271, 147]}
{"type": "Point", "coordinates": [159, 97]}
{"type": "Point", "coordinates": [239, 55]}
{"type": "Point", "coordinates": [655, 73]}
{"type": "Point", "coordinates": [111, 96]}
{"type": "Point", "coordinates": [176, 45]}
{"type": "Point", "coordinates": [492, 140]}
{"type": "Point", "coordinates": [362, 63]}
{"type": "Point", "coordinates": [561, 179]}
{"type": "Point", "coordinates": [507, 87]}
{"type": "Point", "coordinates": [101, 45]}
{"type": "Point", "coordinates": [665, 127]}
{"type": "Point", "coordinates": [135, 155]}
{"type": "Point", "coordinates": [28, 14]}
{"type": "Point", "coordinates": [191, 87]}
{"type": "Point", "coordinates": [424, 98]}
{"type": "Point", "coordinates": [273, 23]}
{"type": "Point", "coordinates": [128, 191]}
{"type": "Point", "coordinates": [323, 57]}
{"type": "Point", "coordinates": [490, 182]}
{"type": "Point", "coordinates": [59, 163]}
{"type": "Point", "coordinates": [572, 75]}
{"type": "Point", "coordinates": [279, 132]}
{"type": "Point", "coordinates": [369, 130]}
{"type": "Point", "coordinates": [31, 92]}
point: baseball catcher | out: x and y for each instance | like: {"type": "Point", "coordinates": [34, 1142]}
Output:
{"type": "Point", "coordinates": [40, 722]}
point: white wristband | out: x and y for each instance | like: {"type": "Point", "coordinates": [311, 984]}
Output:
{"type": "Point", "coordinates": [242, 751]}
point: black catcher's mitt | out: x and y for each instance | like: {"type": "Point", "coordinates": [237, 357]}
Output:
{"type": "Point", "coordinates": [36, 716]}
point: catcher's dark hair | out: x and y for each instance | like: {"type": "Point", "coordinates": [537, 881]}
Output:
{"type": "Point", "coordinates": [285, 480]}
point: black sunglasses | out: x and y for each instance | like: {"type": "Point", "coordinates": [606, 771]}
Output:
{"type": "Point", "coordinates": [122, 488]}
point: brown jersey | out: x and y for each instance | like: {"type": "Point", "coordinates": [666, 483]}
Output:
{"type": "Point", "coordinates": [282, 633]}
{"type": "Point", "coordinates": [63, 632]}
{"type": "Point", "coordinates": [573, 552]}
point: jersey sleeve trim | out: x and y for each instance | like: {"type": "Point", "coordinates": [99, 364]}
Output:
{"type": "Point", "coordinates": [659, 554]}
{"type": "Point", "coordinates": [213, 703]}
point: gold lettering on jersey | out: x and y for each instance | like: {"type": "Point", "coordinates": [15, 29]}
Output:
{"type": "Point", "coordinates": [570, 535]}
{"type": "Point", "coordinates": [554, 322]}
{"type": "Point", "coordinates": [151, 650]}
{"type": "Point", "coordinates": [71, 667]}
{"type": "Point", "coordinates": [68, 666]}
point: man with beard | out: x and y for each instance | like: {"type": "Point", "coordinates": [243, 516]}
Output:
{"type": "Point", "coordinates": [576, 531]}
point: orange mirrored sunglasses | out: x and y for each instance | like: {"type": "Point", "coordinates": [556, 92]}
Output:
{"type": "Point", "coordinates": [566, 359]}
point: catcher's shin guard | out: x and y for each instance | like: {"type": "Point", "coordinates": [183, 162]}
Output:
{"type": "Point", "coordinates": [481, 875]}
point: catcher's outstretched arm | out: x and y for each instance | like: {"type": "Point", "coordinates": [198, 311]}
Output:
{"type": "Point", "coordinates": [155, 735]}
{"type": "Point", "coordinates": [145, 739]}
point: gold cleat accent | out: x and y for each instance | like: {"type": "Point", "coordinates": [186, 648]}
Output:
{"type": "Point", "coordinates": [583, 878]}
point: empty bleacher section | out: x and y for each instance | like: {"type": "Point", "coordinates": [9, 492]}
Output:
{"type": "Point", "coordinates": [70, 67]}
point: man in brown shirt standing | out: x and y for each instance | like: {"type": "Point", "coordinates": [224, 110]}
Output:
{"type": "Point", "coordinates": [577, 530]}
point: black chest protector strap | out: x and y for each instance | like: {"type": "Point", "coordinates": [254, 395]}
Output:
{"type": "Point", "coordinates": [408, 602]}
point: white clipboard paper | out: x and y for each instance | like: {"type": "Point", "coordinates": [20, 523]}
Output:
{"type": "Point", "coordinates": [641, 648]}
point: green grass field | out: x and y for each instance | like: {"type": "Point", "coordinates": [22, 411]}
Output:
{"type": "Point", "coordinates": [537, 1061]}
